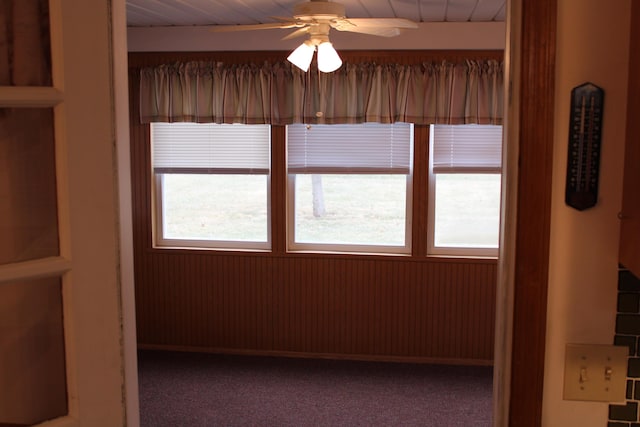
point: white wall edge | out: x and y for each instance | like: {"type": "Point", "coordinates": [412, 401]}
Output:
{"type": "Point", "coordinates": [123, 170]}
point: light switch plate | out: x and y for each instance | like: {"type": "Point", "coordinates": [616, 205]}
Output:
{"type": "Point", "coordinates": [594, 372]}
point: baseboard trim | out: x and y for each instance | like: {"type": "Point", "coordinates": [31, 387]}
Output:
{"type": "Point", "coordinates": [308, 355]}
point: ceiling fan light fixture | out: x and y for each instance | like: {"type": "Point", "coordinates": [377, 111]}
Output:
{"type": "Point", "coordinates": [301, 57]}
{"type": "Point", "coordinates": [328, 58]}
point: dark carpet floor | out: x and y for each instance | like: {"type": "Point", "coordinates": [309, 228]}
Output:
{"type": "Point", "coordinates": [191, 389]}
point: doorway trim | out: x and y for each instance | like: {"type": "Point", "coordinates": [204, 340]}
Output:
{"type": "Point", "coordinates": [524, 260]}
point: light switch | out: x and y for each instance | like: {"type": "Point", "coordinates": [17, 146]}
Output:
{"type": "Point", "coordinates": [595, 372]}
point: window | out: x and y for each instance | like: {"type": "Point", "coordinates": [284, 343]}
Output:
{"type": "Point", "coordinates": [211, 185]}
{"type": "Point", "coordinates": [350, 187]}
{"type": "Point", "coordinates": [464, 190]}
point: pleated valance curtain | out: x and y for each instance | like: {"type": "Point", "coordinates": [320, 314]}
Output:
{"type": "Point", "coordinates": [279, 93]}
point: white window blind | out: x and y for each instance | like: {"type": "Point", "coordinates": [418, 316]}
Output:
{"type": "Point", "coordinates": [208, 148]}
{"type": "Point", "coordinates": [358, 148]}
{"type": "Point", "coordinates": [467, 148]}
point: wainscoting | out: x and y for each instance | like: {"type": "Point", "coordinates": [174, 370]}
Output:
{"type": "Point", "coordinates": [332, 306]}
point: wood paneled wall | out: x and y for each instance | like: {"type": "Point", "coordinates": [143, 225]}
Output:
{"type": "Point", "coordinates": [328, 305]}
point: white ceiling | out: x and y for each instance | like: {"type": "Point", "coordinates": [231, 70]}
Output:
{"type": "Point", "coordinates": [154, 13]}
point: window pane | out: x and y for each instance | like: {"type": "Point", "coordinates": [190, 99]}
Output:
{"type": "Point", "coordinates": [466, 148]}
{"type": "Point", "coordinates": [215, 207]}
{"type": "Point", "coordinates": [210, 148]}
{"type": "Point", "coordinates": [28, 197]}
{"type": "Point", "coordinates": [350, 209]}
{"type": "Point", "coordinates": [25, 53]}
{"type": "Point", "coordinates": [33, 360]}
{"type": "Point", "coordinates": [467, 210]}
{"type": "Point", "coordinates": [354, 148]}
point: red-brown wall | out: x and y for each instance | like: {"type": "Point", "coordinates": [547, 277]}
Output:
{"type": "Point", "coordinates": [349, 306]}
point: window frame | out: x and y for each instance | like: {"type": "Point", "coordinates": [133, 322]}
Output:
{"type": "Point", "coordinates": [160, 242]}
{"type": "Point", "coordinates": [450, 251]}
{"type": "Point", "coordinates": [341, 248]}
{"type": "Point", "coordinates": [421, 239]}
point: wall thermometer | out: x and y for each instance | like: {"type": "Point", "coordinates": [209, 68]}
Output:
{"type": "Point", "coordinates": [583, 162]}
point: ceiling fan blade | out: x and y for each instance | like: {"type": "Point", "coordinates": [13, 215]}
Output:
{"type": "Point", "coordinates": [383, 22]}
{"type": "Point", "coordinates": [297, 33]}
{"type": "Point", "coordinates": [374, 31]}
{"type": "Point", "coordinates": [250, 27]}
{"type": "Point", "coordinates": [385, 27]}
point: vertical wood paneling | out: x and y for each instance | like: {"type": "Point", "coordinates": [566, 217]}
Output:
{"type": "Point", "coordinates": [325, 306]}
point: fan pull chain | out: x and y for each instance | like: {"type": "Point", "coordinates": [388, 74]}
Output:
{"type": "Point", "coordinates": [321, 96]}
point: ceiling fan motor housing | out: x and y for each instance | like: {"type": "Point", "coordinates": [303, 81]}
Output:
{"type": "Point", "coordinates": [318, 10]}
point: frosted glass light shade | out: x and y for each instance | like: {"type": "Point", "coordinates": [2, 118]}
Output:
{"type": "Point", "coordinates": [302, 55]}
{"type": "Point", "coordinates": [328, 59]}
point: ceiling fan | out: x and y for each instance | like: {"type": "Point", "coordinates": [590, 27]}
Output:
{"type": "Point", "coordinates": [315, 18]}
